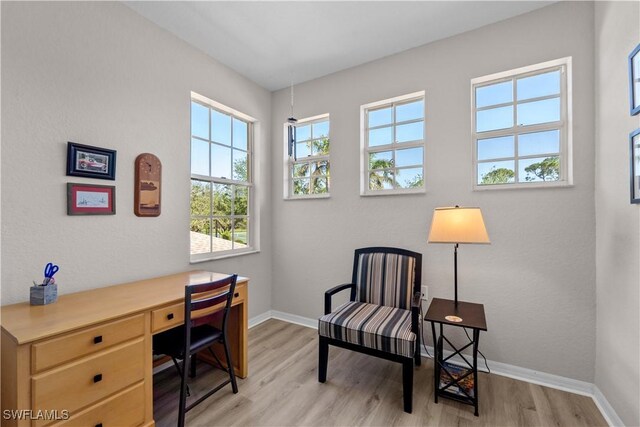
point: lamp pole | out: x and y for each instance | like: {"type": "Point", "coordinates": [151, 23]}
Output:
{"type": "Point", "coordinates": [455, 274]}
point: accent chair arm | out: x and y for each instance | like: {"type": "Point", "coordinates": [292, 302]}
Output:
{"type": "Point", "coordinates": [415, 313]}
{"type": "Point", "coordinates": [328, 294]}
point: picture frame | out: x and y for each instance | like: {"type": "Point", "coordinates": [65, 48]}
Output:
{"type": "Point", "coordinates": [90, 162]}
{"type": "Point", "coordinates": [90, 199]}
{"type": "Point", "coordinates": [634, 171]}
{"type": "Point", "coordinates": [634, 80]}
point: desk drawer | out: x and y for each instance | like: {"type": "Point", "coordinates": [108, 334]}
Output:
{"type": "Point", "coordinates": [86, 381]}
{"type": "Point", "coordinates": [60, 350]}
{"type": "Point", "coordinates": [123, 409]}
{"type": "Point", "coordinates": [173, 315]}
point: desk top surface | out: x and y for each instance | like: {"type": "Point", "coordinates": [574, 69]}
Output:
{"type": "Point", "coordinates": [472, 314]}
{"type": "Point", "coordinates": [27, 323]}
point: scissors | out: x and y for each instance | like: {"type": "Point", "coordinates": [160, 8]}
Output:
{"type": "Point", "coordinates": [49, 271]}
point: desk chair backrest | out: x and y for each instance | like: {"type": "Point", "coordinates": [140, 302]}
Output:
{"type": "Point", "coordinates": [387, 276]}
{"type": "Point", "coordinates": [200, 300]}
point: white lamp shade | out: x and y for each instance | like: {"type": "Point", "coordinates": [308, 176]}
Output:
{"type": "Point", "coordinates": [458, 225]}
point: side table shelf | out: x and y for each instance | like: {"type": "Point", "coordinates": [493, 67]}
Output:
{"type": "Point", "coordinates": [453, 381]}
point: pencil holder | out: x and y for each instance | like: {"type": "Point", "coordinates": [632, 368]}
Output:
{"type": "Point", "coordinates": [41, 295]}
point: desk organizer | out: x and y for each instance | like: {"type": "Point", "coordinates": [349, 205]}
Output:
{"type": "Point", "coordinates": [42, 295]}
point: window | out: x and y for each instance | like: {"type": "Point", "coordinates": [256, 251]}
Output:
{"type": "Point", "coordinates": [522, 127]}
{"type": "Point", "coordinates": [221, 181]}
{"type": "Point", "coordinates": [308, 175]}
{"type": "Point", "coordinates": [392, 140]}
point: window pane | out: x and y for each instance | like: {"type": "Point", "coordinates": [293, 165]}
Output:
{"type": "Point", "coordinates": [199, 157]}
{"type": "Point", "coordinates": [300, 170]}
{"type": "Point", "coordinates": [380, 180]}
{"type": "Point", "coordinates": [241, 200]}
{"type": "Point", "coordinates": [411, 111]}
{"type": "Point", "coordinates": [320, 185]}
{"type": "Point", "coordinates": [531, 113]}
{"type": "Point", "coordinates": [220, 161]}
{"type": "Point", "coordinates": [409, 178]}
{"type": "Point", "coordinates": [494, 94]}
{"type": "Point", "coordinates": [540, 85]}
{"type": "Point", "coordinates": [540, 169]}
{"type": "Point", "coordinates": [200, 236]}
{"type": "Point", "coordinates": [495, 148]}
{"type": "Point", "coordinates": [494, 118]}
{"type": "Point", "coordinates": [200, 198]}
{"type": "Point", "coordinates": [320, 168]}
{"type": "Point", "coordinates": [222, 234]}
{"type": "Point", "coordinates": [240, 233]}
{"type": "Point", "coordinates": [301, 186]}
{"type": "Point", "coordinates": [410, 132]}
{"type": "Point", "coordinates": [303, 133]}
{"type": "Point", "coordinates": [199, 120]}
{"type": "Point", "coordinates": [539, 143]}
{"type": "Point", "coordinates": [496, 172]}
{"type": "Point", "coordinates": [321, 129]}
{"type": "Point", "coordinates": [381, 160]}
{"type": "Point", "coordinates": [221, 199]}
{"type": "Point", "coordinates": [321, 146]}
{"type": "Point", "coordinates": [303, 149]}
{"type": "Point", "coordinates": [240, 170]}
{"type": "Point", "coordinates": [240, 132]}
{"type": "Point", "coordinates": [410, 157]}
{"type": "Point", "coordinates": [380, 136]}
{"type": "Point", "coordinates": [380, 117]}
{"type": "Point", "coordinates": [220, 127]}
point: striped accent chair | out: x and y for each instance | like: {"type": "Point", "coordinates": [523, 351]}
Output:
{"type": "Point", "coordinates": [382, 317]}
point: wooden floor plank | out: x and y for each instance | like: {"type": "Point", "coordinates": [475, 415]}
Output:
{"type": "Point", "coordinates": [282, 389]}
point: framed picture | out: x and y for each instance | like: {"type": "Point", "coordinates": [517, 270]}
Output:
{"type": "Point", "coordinates": [634, 142]}
{"type": "Point", "coordinates": [91, 199]}
{"type": "Point", "coordinates": [91, 162]}
{"type": "Point", "coordinates": [634, 80]}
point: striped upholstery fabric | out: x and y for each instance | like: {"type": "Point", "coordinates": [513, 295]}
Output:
{"type": "Point", "coordinates": [385, 279]}
{"type": "Point", "coordinates": [369, 325]}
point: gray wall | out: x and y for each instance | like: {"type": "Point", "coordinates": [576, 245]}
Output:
{"type": "Point", "coordinates": [537, 279]}
{"type": "Point", "coordinates": [618, 222]}
{"type": "Point", "coordinates": [100, 74]}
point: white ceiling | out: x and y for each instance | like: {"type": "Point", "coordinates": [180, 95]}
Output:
{"type": "Point", "coordinates": [275, 43]}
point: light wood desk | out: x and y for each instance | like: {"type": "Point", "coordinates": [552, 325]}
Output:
{"type": "Point", "coordinates": [90, 353]}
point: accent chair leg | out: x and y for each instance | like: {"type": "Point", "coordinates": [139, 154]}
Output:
{"type": "Point", "coordinates": [323, 359]}
{"type": "Point", "coordinates": [407, 384]}
{"type": "Point", "coordinates": [418, 359]}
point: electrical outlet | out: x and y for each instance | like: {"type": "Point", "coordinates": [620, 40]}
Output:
{"type": "Point", "coordinates": [425, 293]}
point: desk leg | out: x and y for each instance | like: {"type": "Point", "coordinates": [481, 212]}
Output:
{"type": "Point", "coordinates": [476, 339]}
{"type": "Point", "coordinates": [436, 371]}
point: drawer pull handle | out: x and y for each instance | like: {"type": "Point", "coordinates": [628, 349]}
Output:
{"type": "Point", "coordinates": [97, 340]}
{"type": "Point", "coordinates": [97, 378]}
{"type": "Point", "coordinates": [99, 425]}
{"type": "Point", "coordinates": [236, 295]}
{"type": "Point", "coordinates": [170, 316]}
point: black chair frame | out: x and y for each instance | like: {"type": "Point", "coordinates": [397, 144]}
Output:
{"type": "Point", "coordinates": [407, 362]}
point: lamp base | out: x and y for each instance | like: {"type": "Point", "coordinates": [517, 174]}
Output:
{"type": "Point", "coordinates": [454, 319]}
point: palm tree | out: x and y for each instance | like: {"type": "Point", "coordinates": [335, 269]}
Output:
{"type": "Point", "coordinates": [379, 173]}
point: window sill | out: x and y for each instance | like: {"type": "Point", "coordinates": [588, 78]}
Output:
{"type": "Point", "coordinates": [213, 257]}
{"type": "Point", "coordinates": [401, 192]}
{"type": "Point", "coordinates": [310, 197]}
{"type": "Point", "coordinates": [521, 186]}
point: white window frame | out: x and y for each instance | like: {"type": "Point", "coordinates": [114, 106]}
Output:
{"type": "Point", "coordinates": [393, 146]}
{"type": "Point", "coordinates": [252, 243]}
{"type": "Point", "coordinates": [564, 125]}
{"type": "Point", "coordinates": [288, 161]}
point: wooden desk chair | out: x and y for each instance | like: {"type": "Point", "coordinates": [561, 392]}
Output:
{"type": "Point", "coordinates": [197, 333]}
{"type": "Point", "coordinates": [382, 317]}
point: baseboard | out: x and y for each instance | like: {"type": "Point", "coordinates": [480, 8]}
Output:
{"type": "Point", "coordinates": [503, 369]}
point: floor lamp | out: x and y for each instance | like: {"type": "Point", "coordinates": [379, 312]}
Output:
{"type": "Point", "coordinates": [456, 225]}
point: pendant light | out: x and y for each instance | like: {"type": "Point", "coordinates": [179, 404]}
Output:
{"type": "Point", "coordinates": [291, 130]}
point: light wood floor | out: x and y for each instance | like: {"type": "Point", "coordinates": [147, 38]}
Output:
{"type": "Point", "coordinates": [283, 390]}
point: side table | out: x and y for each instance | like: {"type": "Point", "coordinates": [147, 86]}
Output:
{"type": "Point", "coordinates": [453, 381]}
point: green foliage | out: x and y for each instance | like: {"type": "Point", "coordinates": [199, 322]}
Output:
{"type": "Point", "coordinates": [321, 146]}
{"type": "Point", "coordinates": [546, 170]}
{"type": "Point", "coordinates": [227, 200]}
{"type": "Point", "coordinates": [498, 176]}
{"type": "Point", "coordinates": [240, 170]}
{"type": "Point", "coordinates": [318, 182]}
{"type": "Point", "coordinates": [378, 178]}
{"type": "Point", "coordinates": [416, 182]}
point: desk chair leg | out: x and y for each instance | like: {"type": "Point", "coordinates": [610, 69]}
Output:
{"type": "Point", "coordinates": [182, 409]}
{"type": "Point", "coordinates": [232, 374]}
{"type": "Point", "coordinates": [323, 359]}
{"type": "Point", "coordinates": [192, 374]}
{"type": "Point", "coordinates": [407, 384]}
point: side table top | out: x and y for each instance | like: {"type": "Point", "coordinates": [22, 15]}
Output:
{"type": "Point", "coordinates": [472, 314]}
